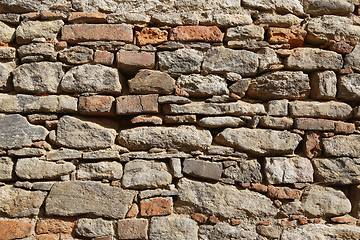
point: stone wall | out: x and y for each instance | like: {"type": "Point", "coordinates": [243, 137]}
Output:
{"type": "Point", "coordinates": [187, 119]}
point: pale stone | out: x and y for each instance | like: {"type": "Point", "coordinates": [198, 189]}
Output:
{"type": "Point", "coordinates": [5, 75]}
{"type": "Point", "coordinates": [46, 50]}
{"type": "Point", "coordinates": [203, 5]}
{"type": "Point", "coordinates": [63, 154]}
{"type": "Point", "coordinates": [281, 6]}
{"type": "Point", "coordinates": [327, 7]}
{"type": "Point", "coordinates": [24, 6]}
{"type": "Point", "coordinates": [153, 156]}
{"type": "Point", "coordinates": [173, 99]}
{"type": "Point", "coordinates": [323, 85]}
{"type": "Point", "coordinates": [348, 87]}
{"type": "Point", "coordinates": [220, 150]}
{"type": "Point", "coordinates": [342, 145]}
{"type": "Point", "coordinates": [268, 58]}
{"type": "Point", "coordinates": [278, 107]}
{"type": "Point", "coordinates": [76, 55]}
{"type": "Point", "coordinates": [226, 20]}
{"type": "Point", "coordinates": [241, 86]}
{"type": "Point", "coordinates": [202, 169]}
{"type": "Point", "coordinates": [101, 154]}
{"type": "Point", "coordinates": [216, 122]}
{"type": "Point", "coordinates": [180, 61]}
{"type": "Point", "coordinates": [175, 166]}
{"type": "Point", "coordinates": [245, 32]}
{"type": "Point", "coordinates": [99, 171]}
{"type": "Point", "coordinates": [6, 168]}
{"type": "Point", "coordinates": [92, 228]}
{"type": "Point", "coordinates": [225, 231]}
{"type": "Point", "coordinates": [275, 20]}
{"type": "Point", "coordinates": [127, 17]}
{"type": "Point", "coordinates": [352, 60]}
{"type": "Point", "coordinates": [7, 33]}
{"type": "Point", "coordinates": [248, 171]}
{"type": "Point", "coordinates": [276, 122]}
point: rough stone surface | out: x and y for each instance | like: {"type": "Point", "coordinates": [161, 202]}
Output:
{"type": "Point", "coordinates": [312, 145]}
{"type": "Point", "coordinates": [202, 169]}
{"type": "Point", "coordinates": [225, 231]}
{"type": "Point", "coordinates": [76, 55]}
{"type": "Point", "coordinates": [283, 192]}
{"type": "Point", "coordinates": [314, 124]}
{"type": "Point", "coordinates": [276, 122]}
{"type": "Point", "coordinates": [173, 228]}
{"type": "Point", "coordinates": [342, 146]}
{"type": "Point", "coordinates": [28, 30]}
{"type": "Point", "coordinates": [348, 87]}
{"type": "Point", "coordinates": [216, 122]}
{"type": "Point", "coordinates": [7, 33]}
{"type": "Point", "coordinates": [323, 85]}
{"type": "Point", "coordinates": [87, 17]}
{"type": "Point", "coordinates": [268, 59]}
{"type": "Point", "coordinates": [352, 59]}
{"type": "Point", "coordinates": [5, 75]}
{"type": "Point", "coordinates": [245, 32]}
{"type": "Point", "coordinates": [99, 171]}
{"type": "Point", "coordinates": [151, 36]}
{"type": "Point", "coordinates": [12, 229]}
{"type": "Point", "coordinates": [278, 107]}
{"type": "Point", "coordinates": [63, 154]}
{"type": "Point", "coordinates": [281, 6]}
{"type": "Point", "coordinates": [132, 104]}
{"type": "Point", "coordinates": [240, 87]}
{"type": "Point", "coordinates": [180, 61]}
{"type": "Point", "coordinates": [248, 171]}
{"type": "Point", "coordinates": [295, 36]}
{"type": "Point", "coordinates": [92, 228]}
{"type": "Point", "coordinates": [132, 228]}
{"type": "Point", "coordinates": [55, 225]}
{"type": "Point", "coordinates": [6, 168]}
{"type": "Point", "coordinates": [327, 7]}
{"type": "Point", "coordinates": [156, 207]}
{"type": "Point", "coordinates": [97, 105]}
{"type": "Point", "coordinates": [196, 33]}
{"type": "Point", "coordinates": [130, 62]}
{"type": "Point", "coordinates": [275, 20]}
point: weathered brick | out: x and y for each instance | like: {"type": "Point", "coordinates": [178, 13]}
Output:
{"type": "Point", "coordinates": [294, 36]}
{"type": "Point", "coordinates": [156, 207]}
{"type": "Point", "coordinates": [202, 169]}
{"type": "Point", "coordinates": [129, 62]}
{"type": "Point", "coordinates": [314, 124]}
{"type": "Point", "coordinates": [147, 119]}
{"type": "Point", "coordinates": [97, 105]}
{"type": "Point", "coordinates": [96, 32]}
{"type": "Point", "coordinates": [283, 192]}
{"type": "Point", "coordinates": [312, 145]}
{"type": "Point", "coordinates": [344, 127]}
{"type": "Point", "coordinates": [104, 57]}
{"type": "Point", "coordinates": [87, 17]}
{"type": "Point", "coordinates": [340, 47]}
{"type": "Point", "coordinates": [55, 225]}
{"type": "Point", "coordinates": [151, 36]}
{"type": "Point", "coordinates": [213, 220]}
{"type": "Point", "coordinates": [132, 229]}
{"type": "Point", "coordinates": [133, 104]}
{"type": "Point", "coordinates": [15, 229]}
{"type": "Point", "coordinates": [196, 33]}
{"type": "Point", "coordinates": [200, 218]}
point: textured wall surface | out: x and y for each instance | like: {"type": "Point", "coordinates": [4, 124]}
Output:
{"type": "Point", "coordinates": [188, 119]}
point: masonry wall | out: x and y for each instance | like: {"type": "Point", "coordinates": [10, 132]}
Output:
{"type": "Point", "coordinates": [160, 119]}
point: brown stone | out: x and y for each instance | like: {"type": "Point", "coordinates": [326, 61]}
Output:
{"type": "Point", "coordinates": [60, 45]}
{"type": "Point", "coordinates": [245, 185]}
{"type": "Point", "coordinates": [182, 93]}
{"type": "Point", "coordinates": [196, 33]}
{"type": "Point", "coordinates": [340, 47]}
{"type": "Point", "coordinates": [283, 192]}
{"type": "Point", "coordinates": [103, 238]}
{"type": "Point", "coordinates": [345, 71]}
{"type": "Point", "coordinates": [264, 223]}
{"type": "Point", "coordinates": [48, 237]}
{"type": "Point", "coordinates": [180, 119]}
{"type": "Point", "coordinates": [344, 127]}
{"type": "Point", "coordinates": [278, 203]}
{"type": "Point", "coordinates": [133, 104]}
{"type": "Point", "coordinates": [133, 211]}
{"type": "Point", "coordinates": [87, 17]}
{"type": "Point", "coordinates": [235, 222]}
{"type": "Point", "coordinates": [312, 145]}
{"type": "Point", "coordinates": [155, 120]}
{"type": "Point", "coordinates": [259, 187]}
{"type": "Point", "coordinates": [129, 62]}
{"type": "Point", "coordinates": [285, 52]}
{"type": "Point", "coordinates": [96, 32]}
{"type": "Point", "coordinates": [200, 218]}
{"type": "Point", "coordinates": [344, 219]}
{"type": "Point", "coordinates": [294, 36]}
{"type": "Point", "coordinates": [31, 16]}
{"type": "Point", "coordinates": [51, 125]}
{"type": "Point", "coordinates": [327, 134]}
{"type": "Point", "coordinates": [314, 124]}
{"type": "Point", "coordinates": [55, 225]}
{"type": "Point", "coordinates": [97, 105]}
{"type": "Point", "coordinates": [133, 229]}
{"type": "Point", "coordinates": [156, 207]}
{"type": "Point", "coordinates": [213, 220]}
{"type": "Point", "coordinates": [15, 229]}
{"type": "Point", "coordinates": [104, 57]}
{"type": "Point", "coordinates": [52, 16]}
{"type": "Point", "coordinates": [42, 144]}
{"type": "Point", "coordinates": [303, 221]}
{"type": "Point", "coordinates": [151, 36]}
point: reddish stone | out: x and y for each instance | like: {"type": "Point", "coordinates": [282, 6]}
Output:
{"type": "Point", "coordinates": [87, 17]}
{"type": "Point", "coordinates": [283, 192]}
{"type": "Point", "coordinates": [52, 16]}
{"type": "Point", "coordinates": [283, 214]}
{"type": "Point", "coordinates": [234, 96]}
{"type": "Point", "coordinates": [96, 32]}
{"type": "Point", "coordinates": [31, 16]}
{"type": "Point", "coordinates": [327, 134]}
{"type": "Point", "coordinates": [296, 217]}
{"type": "Point", "coordinates": [196, 33]}
{"type": "Point", "coordinates": [60, 45]}
{"type": "Point", "coordinates": [286, 223]}
{"type": "Point", "coordinates": [259, 187]}
{"type": "Point", "coordinates": [129, 62]}
{"type": "Point", "coordinates": [156, 207]}
{"type": "Point", "coordinates": [235, 222]}
{"type": "Point", "coordinates": [147, 119]}
{"type": "Point", "coordinates": [182, 93]}
{"type": "Point", "coordinates": [317, 220]}
{"type": "Point", "coordinates": [133, 211]}
{"type": "Point", "coordinates": [180, 119]}
{"type": "Point", "coordinates": [104, 57]}
{"type": "Point", "coordinates": [340, 47]}
{"type": "Point", "coordinates": [264, 223]}
{"type": "Point", "coordinates": [199, 217]}
{"type": "Point", "coordinates": [294, 36]}
{"type": "Point", "coordinates": [278, 203]}
{"type": "Point", "coordinates": [303, 221]}
{"type": "Point", "coordinates": [42, 144]}
{"type": "Point", "coordinates": [213, 220]}
{"type": "Point", "coordinates": [15, 229]}
{"type": "Point", "coordinates": [51, 125]}
{"type": "Point", "coordinates": [245, 185]}
{"type": "Point", "coordinates": [55, 226]}
{"type": "Point", "coordinates": [115, 184]}
{"type": "Point", "coordinates": [97, 105]}
{"type": "Point", "coordinates": [314, 124]}
{"type": "Point", "coordinates": [344, 219]}
{"type": "Point", "coordinates": [151, 36]}
{"type": "Point", "coordinates": [133, 104]}
{"type": "Point", "coordinates": [48, 237]}
{"type": "Point", "coordinates": [312, 144]}
{"type": "Point", "coordinates": [133, 229]}
{"type": "Point", "coordinates": [344, 127]}
{"type": "Point", "coordinates": [345, 71]}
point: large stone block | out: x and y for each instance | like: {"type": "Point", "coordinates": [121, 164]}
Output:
{"type": "Point", "coordinates": [133, 104]}
{"type": "Point", "coordinates": [248, 171]}
{"type": "Point", "coordinates": [28, 30]}
{"type": "Point", "coordinates": [76, 55]}
{"type": "Point", "coordinates": [281, 6]}
{"type": "Point", "coordinates": [129, 62]}
{"type": "Point", "coordinates": [202, 169]}
{"type": "Point", "coordinates": [133, 229]}
{"type": "Point", "coordinates": [294, 36]}
{"type": "Point", "coordinates": [181, 61]}
{"type": "Point", "coordinates": [12, 229]}
{"type": "Point", "coordinates": [7, 33]}
{"type": "Point", "coordinates": [92, 228]}
{"type": "Point", "coordinates": [173, 228]}
{"type": "Point", "coordinates": [323, 85]}
{"type": "Point", "coordinates": [99, 171]}
{"type": "Point", "coordinates": [342, 146]}
{"type": "Point", "coordinates": [97, 105]}
{"type": "Point", "coordinates": [248, 32]}
{"type": "Point", "coordinates": [329, 7]}
{"type": "Point", "coordinates": [348, 87]}
{"type": "Point", "coordinates": [225, 231]}
{"type": "Point", "coordinates": [352, 60]}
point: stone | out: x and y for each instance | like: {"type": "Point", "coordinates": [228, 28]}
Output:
{"type": "Point", "coordinates": [151, 35]}
{"type": "Point", "coordinates": [240, 87]}
{"type": "Point", "coordinates": [342, 146]}
{"type": "Point", "coordinates": [6, 168]}
{"type": "Point", "coordinates": [127, 17]}
{"type": "Point", "coordinates": [87, 17]}
{"type": "Point", "coordinates": [181, 61]}
{"type": "Point", "coordinates": [93, 79]}
{"type": "Point", "coordinates": [276, 122]}
{"type": "Point", "coordinates": [352, 59]}
{"type": "Point", "coordinates": [17, 202]}
{"type": "Point", "coordinates": [99, 171]}
{"type": "Point", "coordinates": [202, 169]}
{"type": "Point", "coordinates": [204, 5]}
{"type": "Point", "coordinates": [348, 87]}
{"type": "Point", "coordinates": [217, 122]}
{"type": "Point", "coordinates": [43, 186]}
{"type": "Point", "coordinates": [242, 62]}
{"type": "Point", "coordinates": [12, 229]}
{"type": "Point", "coordinates": [281, 6]}
{"type": "Point", "coordinates": [153, 120]}
{"type": "Point", "coordinates": [133, 104]}
{"type": "Point", "coordinates": [173, 99]}
{"type": "Point", "coordinates": [344, 127]}
{"type": "Point", "coordinates": [91, 228]}
{"type": "Point", "coordinates": [173, 228]}
{"type": "Point", "coordinates": [283, 192]}
{"type": "Point", "coordinates": [16, 132]}
{"type": "Point", "coordinates": [133, 211]}
{"type": "Point", "coordinates": [111, 46]}
{"type": "Point", "coordinates": [323, 85]}
{"type": "Point", "coordinates": [220, 150]}
{"type": "Point", "coordinates": [330, 109]}
{"type": "Point", "coordinates": [84, 197]}
{"type": "Point", "coordinates": [278, 107]}
{"type": "Point", "coordinates": [76, 55]}
{"type": "Point", "coordinates": [225, 201]}
{"type": "Point", "coordinates": [97, 105]}
{"type": "Point", "coordinates": [159, 192]}
{"type": "Point", "coordinates": [141, 174]}
{"type": "Point", "coordinates": [7, 33]}
{"type": "Point", "coordinates": [196, 33]}
{"type": "Point", "coordinates": [248, 171]}
{"type": "Point", "coordinates": [41, 118]}
{"type": "Point", "coordinates": [75, 33]}
{"type": "Point", "coordinates": [28, 30]}
{"type": "Point", "coordinates": [314, 59]}
{"type": "Point", "coordinates": [280, 170]}
{"type": "Point", "coordinates": [7, 53]}
{"type": "Point", "coordinates": [185, 138]}
{"type": "Point", "coordinates": [130, 62]}
{"type": "Point", "coordinates": [312, 145]}
{"type": "Point", "coordinates": [180, 119]}
{"type": "Point", "coordinates": [104, 57]}
{"type": "Point", "coordinates": [175, 166]}
{"type": "Point", "coordinates": [202, 86]}
{"type": "Point", "coordinates": [151, 81]}
{"type": "Point", "coordinates": [38, 77]}
{"type": "Point", "coordinates": [225, 231]}
{"type": "Point", "coordinates": [328, 7]}
{"type": "Point", "coordinates": [268, 58]}
{"type": "Point", "coordinates": [259, 141]}
{"type": "Point", "coordinates": [132, 229]}
{"type": "Point", "coordinates": [199, 217]}
{"type": "Point", "coordinates": [275, 20]}
{"type": "Point", "coordinates": [46, 50]}
{"type": "Point", "coordinates": [55, 225]}
{"type": "Point", "coordinates": [225, 20]}
{"type": "Point", "coordinates": [282, 84]}
{"type": "Point", "coordinates": [80, 133]}
{"type": "Point", "coordinates": [63, 154]}
{"type": "Point", "coordinates": [5, 75]}
{"type": "Point", "coordinates": [10, 18]}
{"type": "Point", "coordinates": [173, 153]}
{"type": "Point", "coordinates": [314, 124]}
{"type": "Point", "coordinates": [102, 154]}
{"type": "Point", "coordinates": [34, 168]}
{"type": "Point", "coordinates": [295, 36]}
{"type": "Point", "coordinates": [156, 207]}
{"type": "Point", "coordinates": [245, 32]}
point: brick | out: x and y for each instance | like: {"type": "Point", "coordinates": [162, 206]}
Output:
{"type": "Point", "coordinates": [15, 229]}
{"type": "Point", "coordinates": [151, 36]}
{"type": "Point", "coordinates": [129, 62]}
{"type": "Point", "coordinates": [202, 169]}
{"type": "Point", "coordinates": [200, 218]}
{"type": "Point", "coordinates": [132, 104]}
{"type": "Point", "coordinates": [213, 220]}
{"type": "Point", "coordinates": [314, 124]}
{"type": "Point", "coordinates": [283, 193]}
{"type": "Point", "coordinates": [133, 211]}
{"type": "Point", "coordinates": [312, 144]}
{"type": "Point", "coordinates": [156, 207]}
{"type": "Point", "coordinates": [96, 32]}
{"type": "Point", "coordinates": [344, 127]}
{"type": "Point", "coordinates": [87, 17]}
{"type": "Point", "coordinates": [155, 120]}
{"type": "Point", "coordinates": [132, 229]}
{"type": "Point", "coordinates": [97, 105]}
{"type": "Point", "coordinates": [55, 226]}
{"type": "Point", "coordinates": [196, 33]}
{"type": "Point", "coordinates": [294, 36]}
{"type": "Point", "coordinates": [235, 222]}
{"type": "Point", "coordinates": [344, 219]}
{"type": "Point", "coordinates": [104, 57]}
{"type": "Point", "coordinates": [180, 119]}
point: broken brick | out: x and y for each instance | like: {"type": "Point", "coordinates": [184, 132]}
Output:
{"type": "Point", "coordinates": [156, 207]}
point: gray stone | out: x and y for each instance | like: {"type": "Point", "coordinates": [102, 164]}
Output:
{"type": "Point", "coordinates": [352, 60]}
{"type": "Point", "coordinates": [175, 166]}
{"type": "Point", "coordinates": [242, 62]}
{"type": "Point", "coordinates": [28, 30]}
{"type": "Point", "coordinates": [24, 6]}
{"type": "Point", "coordinates": [282, 84]}
{"type": "Point", "coordinates": [220, 150]}
{"type": "Point", "coordinates": [127, 17]}
{"type": "Point", "coordinates": [328, 7]}
{"type": "Point", "coordinates": [153, 156]}
{"type": "Point", "coordinates": [151, 81]}
{"type": "Point", "coordinates": [259, 141]}
{"type": "Point", "coordinates": [112, 46]}
{"type": "Point", "coordinates": [310, 59]}
{"type": "Point", "coordinates": [25, 185]}
{"type": "Point", "coordinates": [7, 33]}
{"type": "Point", "coordinates": [185, 138]}
{"type": "Point", "coordinates": [10, 18]}
{"type": "Point", "coordinates": [181, 61]}
{"type": "Point", "coordinates": [281, 6]}
{"type": "Point", "coordinates": [6, 168]}
{"type": "Point", "coordinates": [330, 109]}
{"type": "Point", "coordinates": [7, 53]}
{"type": "Point", "coordinates": [278, 107]}
{"type": "Point", "coordinates": [202, 169]}
{"type": "Point", "coordinates": [270, 231]}
{"type": "Point", "coordinates": [101, 154]}
{"type": "Point", "coordinates": [275, 20]}
{"type": "Point", "coordinates": [323, 85]}
{"type": "Point", "coordinates": [46, 50]}
{"type": "Point", "coordinates": [348, 87]}
{"type": "Point", "coordinates": [220, 122]}
{"type": "Point", "coordinates": [202, 86]}
{"type": "Point", "coordinates": [267, 58]}
{"type": "Point", "coordinates": [82, 133]}
{"type": "Point", "coordinates": [279, 170]}
{"type": "Point", "coordinates": [276, 122]}
{"type": "Point", "coordinates": [38, 77]}
{"type": "Point", "coordinates": [17, 202]}
{"type": "Point", "coordinates": [77, 198]}
{"type": "Point", "coordinates": [225, 201]}
{"type": "Point", "coordinates": [76, 55]}
{"type": "Point", "coordinates": [27, 152]}
{"type": "Point", "coordinates": [5, 75]}
{"type": "Point", "coordinates": [240, 87]}
{"type": "Point", "coordinates": [173, 99]}
{"type": "Point", "coordinates": [16, 132]}
{"type": "Point", "coordinates": [93, 228]}
{"type": "Point", "coordinates": [92, 78]}
{"type": "Point", "coordinates": [43, 186]}
{"type": "Point", "coordinates": [63, 154]}
{"type": "Point", "coordinates": [158, 192]}
{"type": "Point", "coordinates": [99, 171]}
{"type": "Point", "coordinates": [248, 171]}
{"type": "Point", "coordinates": [224, 231]}
{"type": "Point", "coordinates": [342, 146]}
{"type": "Point", "coordinates": [173, 228]}
{"type": "Point", "coordinates": [245, 32]}
{"type": "Point", "coordinates": [141, 174]}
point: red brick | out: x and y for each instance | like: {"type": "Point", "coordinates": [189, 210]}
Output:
{"type": "Point", "coordinates": [340, 47]}
{"type": "Point", "coordinates": [132, 104]}
{"type": "Point", "coordinates": [283, 193]}
{"type": "Point", "coordinates": [15, 229]}
{"type": "Point", "coordinates": [104, 57]}
{"type": "Point", "coordinates": [180, 119]}
{"type": "Point", "coordinates": [156, 207]}
{"type": "Point", "coordinates": [344, 219]}
{"type": "Point", "coordinates": [55, 226]}
{"type": "Point", "coordinates": [213, 220]}
{"type": "Point", "coordinates": [96, 32]}
{"type": "Point", "coordinates": [312, 145]}
{"type": "Point", "coordinates": [129, 62]}
{"type": "Point", "coordinates": [344, 127]}
{"type": "Point", "coordinates": [235, 222]}
{"type": "Point", "coordinates": [97, 105]}
{"type": "Point", "coordinates": [87, 17]}
{"type": "Point", "coordinates": [147, 119]}
{"type": "Point", "coordinates": [132, 229]}
{"type": "Point", "coordinates": [314, 124]}
{"type": "Point", "coordinates": [133, 211]}
{"type": "Point", "coordinates": [196, 33]}
{"type": "Point", "coordinates": [259, 187]}
{"type": "Point", "coordinates": [200, 218]}
{"type": "Point", "coordinates": [294, 36]}
{"type": "Point", "coordinates": [151, 36]}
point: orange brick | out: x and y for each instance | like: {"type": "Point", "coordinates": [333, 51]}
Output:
{"type": "Point", "coordinates": [151, 36]}
{"type": "Point", "coordinates": [196, 33]}
{"type": "Point", "coordinates": [129, 62]}
{"type": "Point", "coordinates": [97, 105]}
{"type": "Point", "coordinates": [199, 217]}
{"type": "Point", "coordinates": [104, 57]}
{"type": "Point", "coordinates": [294, 36]}
{"type": "Point", "coordinates": [235, 222]}
{"type": "Point", "coordinates": [55, 226]}
{"type": "Point", "coordinates": [156, 207]}
{"type": "Point", "coordinates": [283, 192]}
{"type": "Point", "coordinates": [14, 229]}
{"type": "Point", "coordinates": [87, 17]}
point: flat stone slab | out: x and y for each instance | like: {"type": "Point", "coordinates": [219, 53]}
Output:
{"type": "Point", "coordinates": [202, 169]}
